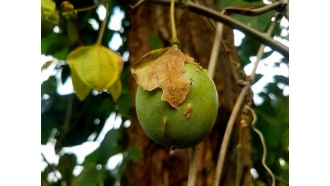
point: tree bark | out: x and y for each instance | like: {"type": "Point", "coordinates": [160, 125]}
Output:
{"type": "Point", "coordinates": [158, 167]}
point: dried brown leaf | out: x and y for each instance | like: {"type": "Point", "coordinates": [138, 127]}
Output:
{"type": "Point", "coordinates": [164, 68]}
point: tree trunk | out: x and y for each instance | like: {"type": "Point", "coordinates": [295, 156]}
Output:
{"type": "Point", "coordinates": [158, 167]}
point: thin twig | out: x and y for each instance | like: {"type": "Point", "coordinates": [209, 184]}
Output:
{"type": "Point", "coordinates": [225, 19]}
{"type": "Point", "coordinates": [254, 117]}
{"type": "Point", "coordinates": [215, 49]}
{"type": "Point", "coordinates": [264, 147]}
{"type": "Point", "coordinates": [50, 165]}
{"type": "Point", "coordinates": [193, 166]}
{"type": "Point", "coordinates": [226, 137]}
{"type": "Point", "coordinates": [239, 154]}
{"type": "Point", "coordinates": [70, 11]}
{"type": "Point", "coordinates": [262, 46]}
{"type": "Point", "coordinates": [136, 4]}
{"type": "Point", "coordinates": [68, 114]}
{"type": "Point", "coordinates": [66, 127]}
{"type": "Point", "coordinates": [253, 11]}
{"type": "Point", "coordinates": [234, 114]}
{"type": "Point", "coordinates": [286, 9]}
{"type": "Point", "coordinates": [84, 9]}
{"type": "Point", "coordinates": [175, 41]}
{"type": "Point", "coordinates": [104, 24]}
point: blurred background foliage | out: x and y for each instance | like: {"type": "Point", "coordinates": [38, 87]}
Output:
{"type": "Point", "coordinates": [67, 122]}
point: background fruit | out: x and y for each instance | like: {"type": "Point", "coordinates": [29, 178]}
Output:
{"type": "Point", "coordinates": [187, 125]}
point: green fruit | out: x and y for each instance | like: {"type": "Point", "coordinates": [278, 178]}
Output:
{"type": "Point", "coordinates": [190, 122]}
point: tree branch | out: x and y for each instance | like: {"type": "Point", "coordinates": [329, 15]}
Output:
{"type": "Point", "coordinates": [253, 11]}
{"type": "Point", "coordinates": [249, 31]}
{"type": "Point", "coordinates": [215, 49]}
{"type": "Point", "coordinates": [238, 105]}
{"type": "Point", "coordinates": [226, 137]}
{"type": "Point", "coordinates": [262, 47]}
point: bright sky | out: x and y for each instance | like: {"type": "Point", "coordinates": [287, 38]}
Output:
{"type": "Point", "coordinates": [266, 66]}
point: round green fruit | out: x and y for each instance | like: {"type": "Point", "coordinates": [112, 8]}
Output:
{"type": "Point", "coordinates": [186, 125]}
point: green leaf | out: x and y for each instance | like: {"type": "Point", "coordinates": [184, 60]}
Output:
{"type": "Point", "coordinates": [48, 11]}
{"type": "Point", "coordinates": [48, 124]}
{"type": "Point", "coordinates": [108, 147]}
{"type": "Point", "coordinates": [125, 100]}
{"type": "Point", "coordinates": [257, 78]}
{"type": "Point", "coordinates": [90, 176]}
{"type": "Point", "coordinates": [124, 104]}
{"type": "Point", "coordinates": [260, 22]}
{"type": "Point", "coordinates": [44, 175]}
{"type": "Point", "coordinates": [97, 66]}
{"type": "Point", "coordinates": [281, 79]}
{"type": "Point", "coordinates": [55, 44]}
{"type": "Point", "coordinates": [154, 41]}
{"type": "Point", "coordinates": [80, 88]}
{"type": "Point", "coordinates": [229, 3]}
{"type": "Point", "coordinates": [66, 164]}
{"type": "Point", "coordinates": [115, 90]}
{"type": "Point", "coordinates": [285, 60]}
{"type": "Point", "coordinates": [248, 48]}
{"type": "Point", "coordinates": [132, 154]}
{"type": "Point", "coordinates": [46, 65]}
{"type": "Point", "coordinates": [49, 86]}
{"type": "Point", "coordinates": [49, 17]}
{"type": "Point", "coordinates": [48, 7]}
{"type": "Point", "coordinates": [88, 117]}
{"type": "Point", "coordinates": [72, 31]}
{"type": "Point", "coordinates": [65, 73]}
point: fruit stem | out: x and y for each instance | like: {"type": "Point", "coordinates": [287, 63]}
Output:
{"type": "Point", "coordinates": [175, 41]}
{"type": "Point", "coordinates": [104, 23]}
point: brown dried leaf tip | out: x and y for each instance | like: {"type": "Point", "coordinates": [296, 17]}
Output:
{"type": "Point", "coordinates": [164, 68]}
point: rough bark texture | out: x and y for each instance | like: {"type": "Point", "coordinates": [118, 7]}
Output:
{"type": "Point", "coordinates": [196, 33]}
